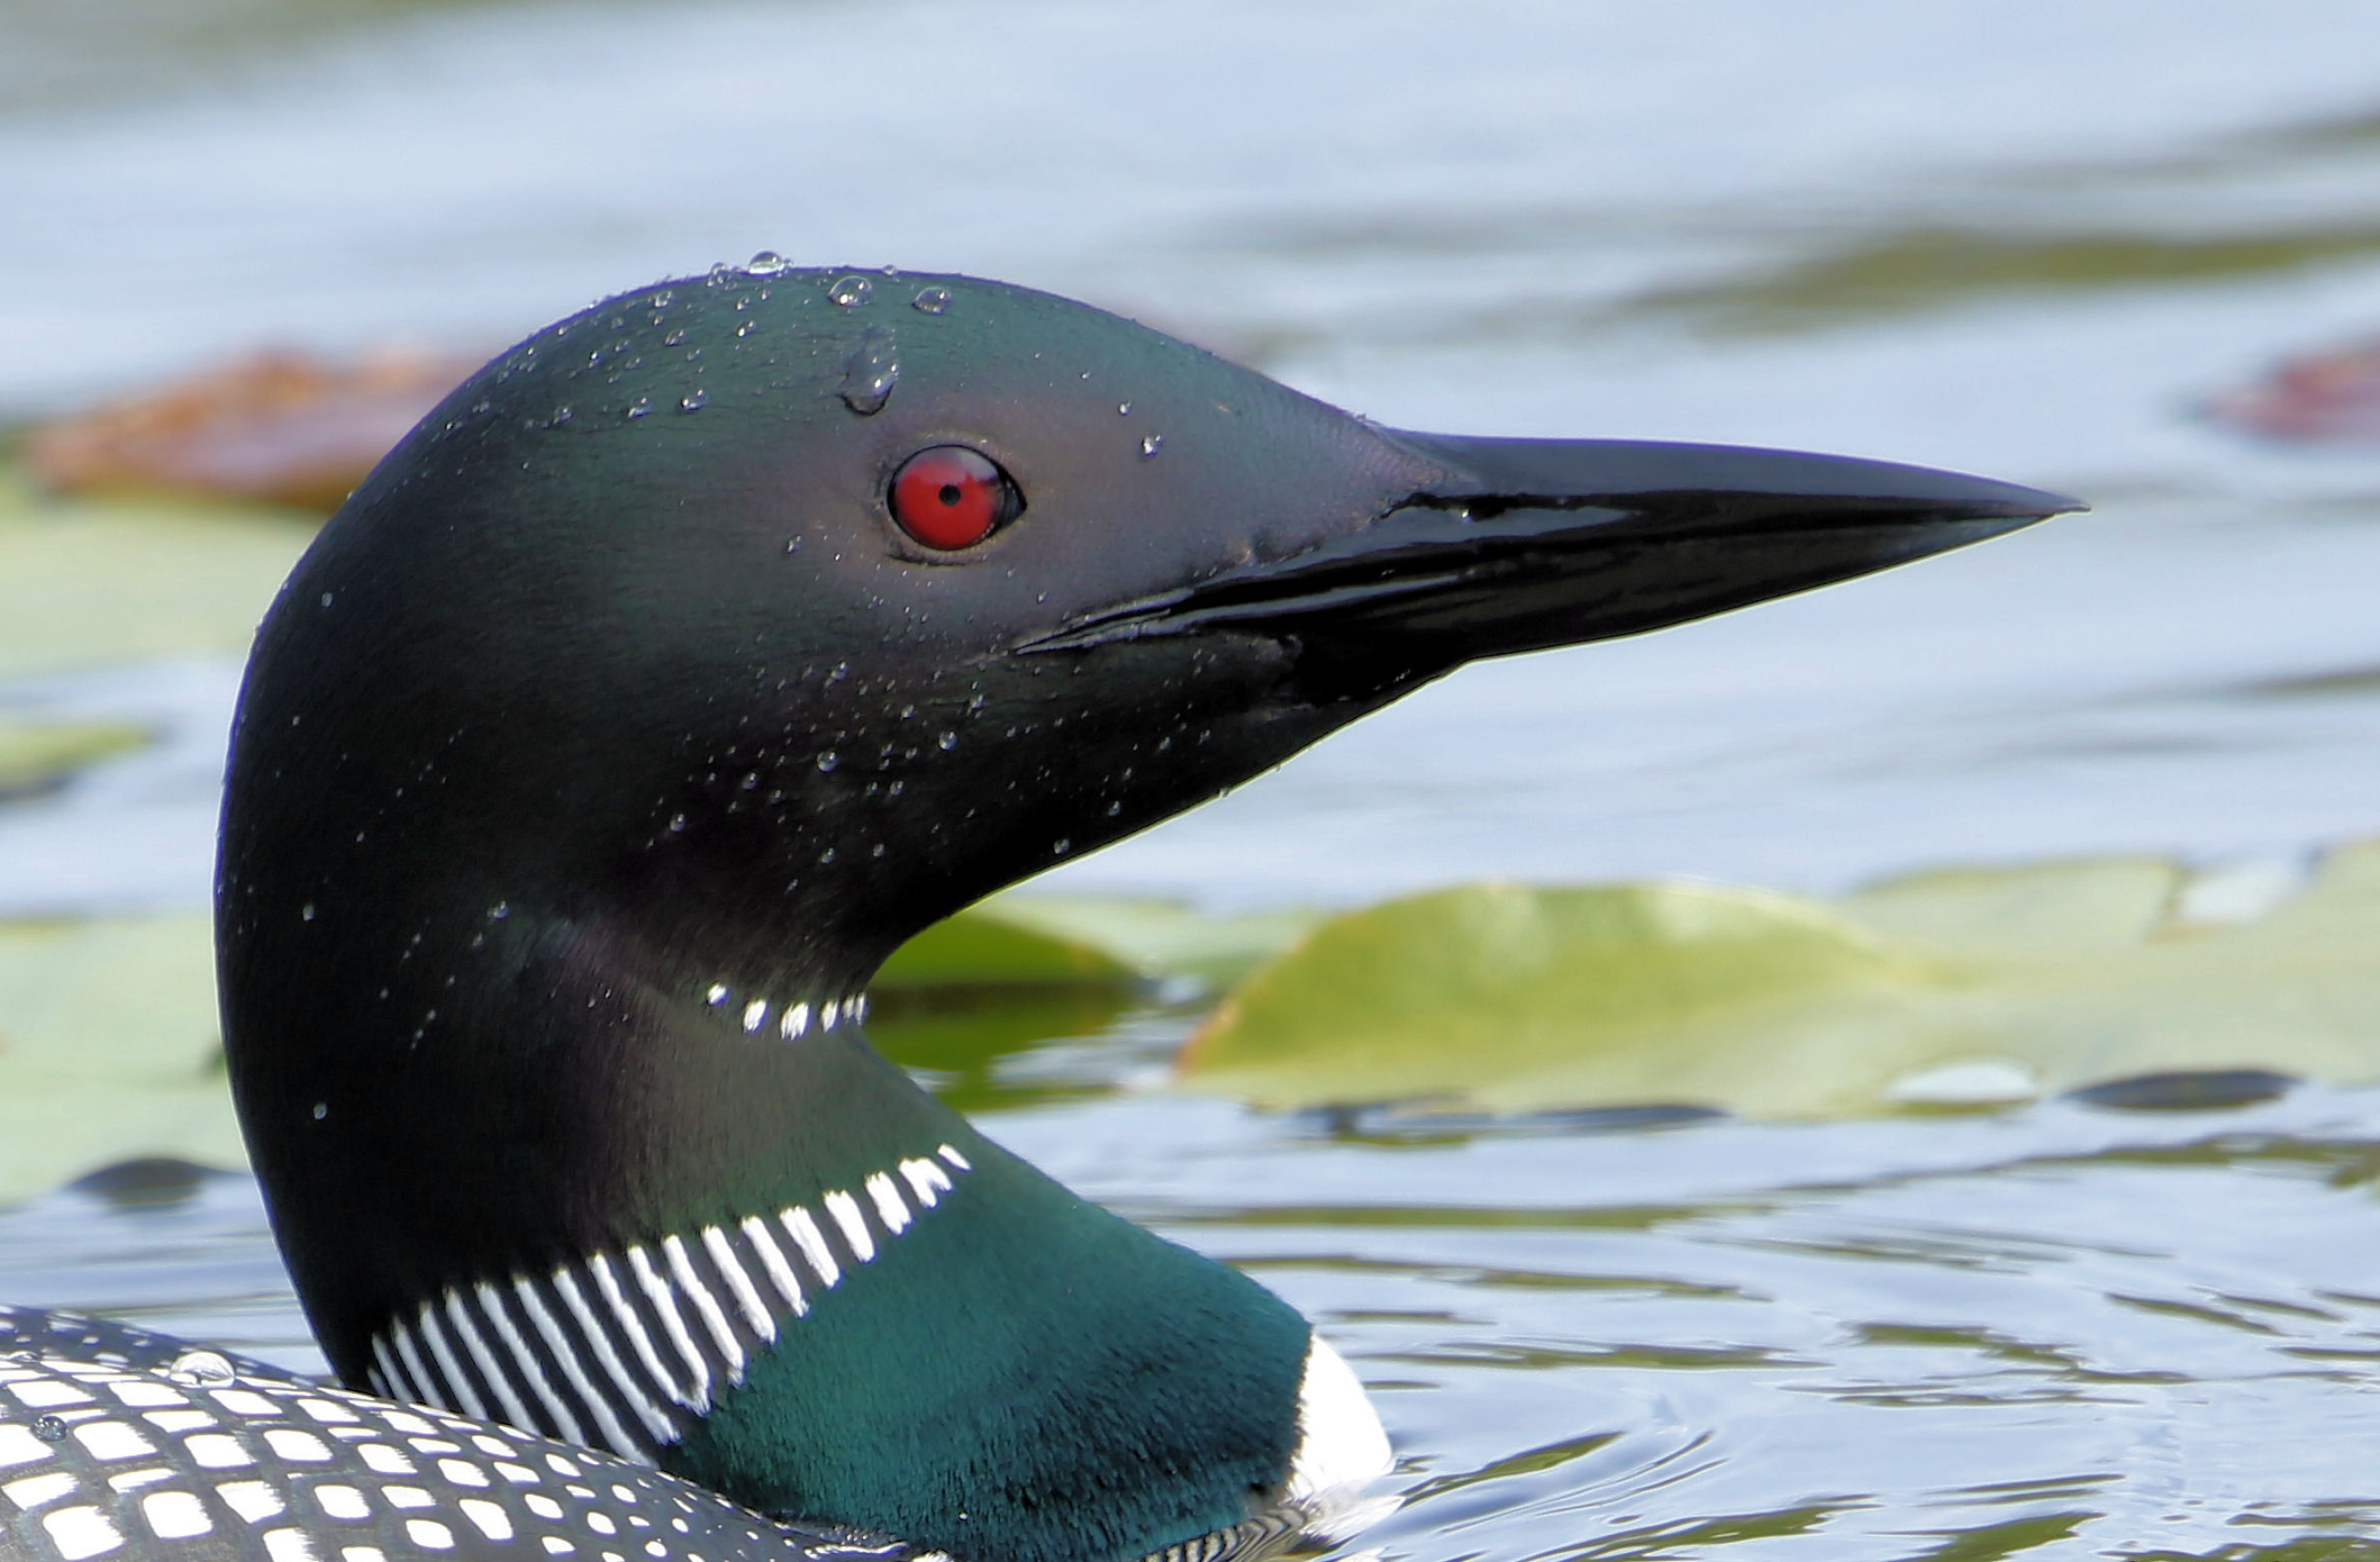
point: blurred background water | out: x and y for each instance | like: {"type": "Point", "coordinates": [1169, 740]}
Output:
{"type": "Point", "coordinates": [2024, 238]}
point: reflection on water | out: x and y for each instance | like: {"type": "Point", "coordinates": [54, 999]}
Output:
{"type": "Point", "coordinates": [1949, 1336]}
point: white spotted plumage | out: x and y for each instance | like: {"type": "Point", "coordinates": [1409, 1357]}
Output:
{"type": "Point", "coordinates": [103, 1458]}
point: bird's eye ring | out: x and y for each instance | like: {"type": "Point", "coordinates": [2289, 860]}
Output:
{"type": "Point", "coordinates": [948, 497]}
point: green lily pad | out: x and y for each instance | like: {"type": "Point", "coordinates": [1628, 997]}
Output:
{"type": "Point", "coordinates": [988, 948]}
{"type": "Point", "coordinates": [1924, 269]}
{"type": "Point", "coordinates": [92, 583]}
{"type": "Point", "coordinates": [109, 1049]}
{"type": "Point", "coordinates": [1966, 988]}
{"type": "Point", "coordinates": [1019, 941]}
{"type": "Point", "coordinates": [1159, 939]}
{"type": "Point", "coordinates": [967, 1045]}
{"type": "Point", "coordinates": [37, 756]}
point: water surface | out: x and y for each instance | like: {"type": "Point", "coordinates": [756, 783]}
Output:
{"type": "Point", "coordinates": [2020, 237]}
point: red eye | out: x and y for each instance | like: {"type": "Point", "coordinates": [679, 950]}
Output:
{"type": "Point", "coordinates": [950, 497]}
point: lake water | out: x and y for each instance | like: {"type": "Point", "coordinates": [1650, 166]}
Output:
{"type": "Point", "coordinates": [2023, 238]}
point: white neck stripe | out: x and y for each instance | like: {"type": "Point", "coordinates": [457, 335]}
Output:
{"type": "Point", "coordinates": [607, 1289]}
{"type": "Point", "coordinates": [694, 1390]}
{"type": "Point", "coordinates": [655, 1421]}
{"type": "Point", "coordinates": [517, 1350]}
{"type": "Point", "coordinates": [747, 1301]}
{"type": "Point", "coordinates": [845, 1210]}
{"type": "Point", "coordinates": [718, 1295]}
{"type": "Point", "coordinates": [516, 1413]}
{"type": "Point", "coordinates": [442, 1353]}
{"type": "Point", "coordinates": [812, 1242]}
{"type": "Point", "coordinates": [773, 1259]}
{"type": "Point", "coordinates": [705, 1305]}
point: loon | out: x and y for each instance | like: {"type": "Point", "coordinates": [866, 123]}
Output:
{"type": "Point", "coordinates": [684, 662]}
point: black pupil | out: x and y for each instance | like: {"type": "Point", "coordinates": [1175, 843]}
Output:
{"type": "Point", "coordinates": [950, 494]}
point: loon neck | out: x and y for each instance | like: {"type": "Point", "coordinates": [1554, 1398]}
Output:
{"type": "Point", "coordinates": [690, 1214]}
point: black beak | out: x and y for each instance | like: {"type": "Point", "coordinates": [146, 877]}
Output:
{"type": "Point", "coordinates": [1527, 544]}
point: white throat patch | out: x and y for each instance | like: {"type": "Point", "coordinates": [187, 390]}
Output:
{"type": "Point", "coordinates": [1340, 1448]}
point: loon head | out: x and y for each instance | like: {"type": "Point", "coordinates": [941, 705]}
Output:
{"type": "Point", "coordinates": [699, 651]}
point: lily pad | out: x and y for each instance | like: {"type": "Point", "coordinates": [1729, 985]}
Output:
{"type": "Point", "coordinates": [37, 756]}
{"type": "Point", "coordinates": [109, 1049]}
{"type": "Point", "coordinates": [1022, 941]}
{"type": "Point", "coordinates": [276, 428]}
{"type": "Point", "coordinates": [970, 1046]}
{"type": "Point", "coordinates": [1927, 269]}
{"type": "Point", "coordinates": [1954, 989]}
{"type": "Point", "coordinates": [1160, 939]}
{"type": "Point", "coordinates": [987, 947]}
{"type": "Point", "coordinates": [94, 583]}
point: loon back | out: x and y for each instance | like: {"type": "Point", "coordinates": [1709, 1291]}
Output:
{"type": "Point", "coordinates": [694, 655]}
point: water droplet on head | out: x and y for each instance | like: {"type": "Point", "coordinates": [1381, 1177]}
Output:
{"type": "Point", "coordinates": [828, 760]}
{"type": "Point", "coordinates": [561, 416]}
{"type": "Point", "coordinates": [677, 824]}
{"type": "Point", "coordinates": [768, 262]}
{"type": "Point", "coordinates": [322, 1110]}
{"type": "Point", "coordinates": [871, 373]}
{"type": "Point", "coordinates": [947, 740]}
{"type": "Point", "coordinates": [675, 337]}
{"type": "Point", "coordinates": [852, 291]}
{"type": "Point", "coordinates": [1124, 409]}
{"type": "Point", "coordinates": [694, 400]}
{"type": "Point", "coordinates": [1150, 445]}
{"type": "Point", "coordinates": [306, 912]}
{"type": "Point", "coordinates": [931, 300]}
{"type": "Point", "coordinates": [326, 599]}
{"type": "Point", "coordinates": [501, 910]}
{"type": "Point", "coordinates": [641, 406]}
{"type": "Point", "coordinates": [1060, 847]}
{"type": "Point", "coordinates": [195, 1369]}
{"type": "Point", "coordinates": [49, 1429]}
